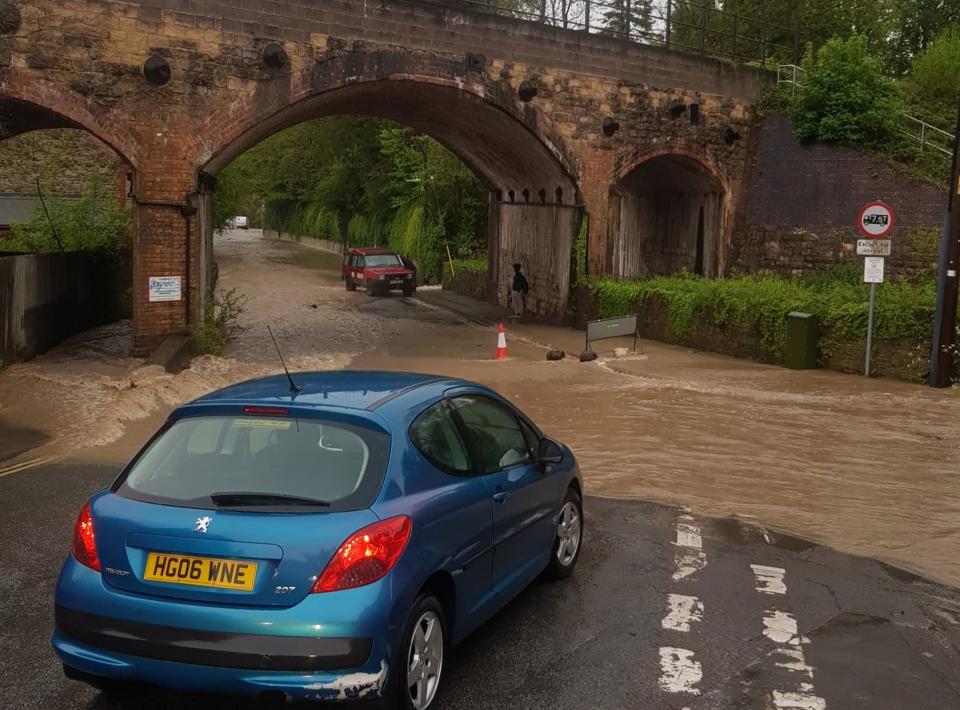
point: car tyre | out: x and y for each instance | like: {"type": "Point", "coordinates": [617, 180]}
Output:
{"type": "Point", "coordinates": [351, 286]}
{"type": "Point", "coordinates": [422, 652]}
{"type": "Point", "coordinates": [371, 288]}
{"type": "Point", "coordinates": [569, 537]}
{"type": "Point", "coordinates": [407, 290]}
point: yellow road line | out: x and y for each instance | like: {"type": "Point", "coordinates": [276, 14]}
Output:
{"type": "Point", "coordinates": [24, 465]}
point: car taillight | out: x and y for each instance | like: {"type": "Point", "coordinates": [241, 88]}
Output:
{"type": "Point", "coordinates": [84, 542]}
{"type": "Point", "coordinates": [366, 556]}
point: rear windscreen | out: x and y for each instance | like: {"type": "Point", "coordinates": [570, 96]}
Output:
{"type": "Point", "coordinates": [223, 460]}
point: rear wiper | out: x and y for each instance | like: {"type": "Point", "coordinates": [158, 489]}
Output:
{"type": "Point", "coordinates": [245, 498]}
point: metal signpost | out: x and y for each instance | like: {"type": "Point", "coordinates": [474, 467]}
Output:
{"type": "Point", "coordinates": [874, 222]}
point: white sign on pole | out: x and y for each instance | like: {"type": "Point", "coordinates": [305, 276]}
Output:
{"type": "Point", "coordinates": [164, 288]}
{"type": "Point", "coordinates": [873, 247]}
{"type": "Point", "coordinates": [873, 270]}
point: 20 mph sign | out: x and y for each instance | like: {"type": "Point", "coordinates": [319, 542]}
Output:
{"type": "Point", "coordinates": [876, 220]}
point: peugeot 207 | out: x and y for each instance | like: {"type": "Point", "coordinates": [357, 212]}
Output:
{"type": "Point", "coordinates": [331, 539]}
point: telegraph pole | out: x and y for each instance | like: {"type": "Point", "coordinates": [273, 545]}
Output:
{"type": "Point", "coordinates": [944, 326]}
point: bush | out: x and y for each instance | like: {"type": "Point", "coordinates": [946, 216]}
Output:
{"type": "Point", "coordinates": [218, 323]}
{"type": "Point", "coordinates": [933, 86]}
{"type": "Point", "coordinates": [761, 302]}
{"type": "Point", "coordinates": [91, 223]}
{"type": "Point", "coordinates": [475, 266]}
{"type": "Point", "coordinates": [845, 97]}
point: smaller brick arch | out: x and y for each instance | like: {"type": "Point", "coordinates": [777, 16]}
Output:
{"type": "Point", "coordinates": [707, 164]}
{"type": "Point", "coordinates": [31, 104]}
{"type": "Point", "coordinates": [670, 211]}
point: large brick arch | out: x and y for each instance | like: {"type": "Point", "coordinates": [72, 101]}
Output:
{"type": "Point", "coordinates": [510, 145]}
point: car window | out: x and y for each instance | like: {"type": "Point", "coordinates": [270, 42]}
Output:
{"type": "Point", "coordinates": [361, 262]}
{"type": "Point", "coordinates": [494, 433]}
{"type": "Point", "coordinates": [436, 437]}
{"type": "Point", "coordinates": [377, 260]}
{"type": "Point", "coordinates": [198, 456]}
{"type": "Point", "coordinates": [533, 441]}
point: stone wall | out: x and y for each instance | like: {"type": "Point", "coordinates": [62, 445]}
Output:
{"type": "Point", "coordinates": [324, 244]}
{"type": "Point", "coordinates": [46, 297]}
{"type": "Point", "coordinates": [469, 283]}
{"type": "Point", "coordinates": [63, 159]}
{"type": "Point", "coordinates": [539, 238]}
{"type": "Point", "coordinates": [897, 359]}
{"type": "Point", "coordinates": [800, 206]}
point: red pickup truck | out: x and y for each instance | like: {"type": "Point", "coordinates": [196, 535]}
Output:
{"type": "Point", "coordinates": [378, 270]}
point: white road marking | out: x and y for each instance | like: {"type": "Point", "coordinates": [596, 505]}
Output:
{"type": "Point", "coordinates": [691, 558]}
{"type": "Point", "coordinates": [679, 673]}
{"type": "Point", "coordinates": [800, 701]}
{"type": "Point", "coordinates": [688, 563]}
{"type": "Point", "coordinates": [780, 627]}
{"type": "Point", "coordinates": [769, 579]}
{"type": "Point", "coordinates": [683, 611]}
{"type": "Point", "coordinates": [797, 662]}
{"type": "Point", "coordinates": [688, 536]}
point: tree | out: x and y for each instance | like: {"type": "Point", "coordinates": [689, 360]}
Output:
{"type": "Point", "coordinates": [364, 181]}
{"type": "Point", "coordinates": [917, 23]}
{"type": "Point", "coordinates": [91, 223]}
{"type": "Point", "coordinates": [845, 97]}
{"type": "Point", "coordinates": [932, 88]}
{"type": "Point", "coordinates": [628, 18]}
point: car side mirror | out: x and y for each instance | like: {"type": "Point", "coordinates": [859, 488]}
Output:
{"type": "Point", "coordinates": [550, 451]}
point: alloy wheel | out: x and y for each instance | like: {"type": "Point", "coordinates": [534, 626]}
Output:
{"type": "Point", "coordinates": [425, 660]}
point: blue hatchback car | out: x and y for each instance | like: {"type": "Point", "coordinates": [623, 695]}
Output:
{"type": "Point", "coordinates": [328, 540]}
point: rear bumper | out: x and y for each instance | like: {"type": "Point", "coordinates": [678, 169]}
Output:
{"type": "Point", "coordinates": [211, 648]}
{"type": "Point", "coordinates": [95, 664]}
{"type": "Point", "coordinates": [337, 646]}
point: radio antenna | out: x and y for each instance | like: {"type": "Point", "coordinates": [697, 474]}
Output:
{"type": "Point", "coordinates": [294, 387]}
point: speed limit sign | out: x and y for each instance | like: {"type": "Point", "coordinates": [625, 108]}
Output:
{"type": "Point", "coordinates": [875, 220]}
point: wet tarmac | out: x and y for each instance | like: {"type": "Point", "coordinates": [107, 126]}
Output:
{"type": "Point", "coordinates": [666, 610]}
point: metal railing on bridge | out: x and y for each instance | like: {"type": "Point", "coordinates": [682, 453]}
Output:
{"type": "Point", "coordinates": [927, 136]}
{"type": "Point", "coordinates": [696, 26]}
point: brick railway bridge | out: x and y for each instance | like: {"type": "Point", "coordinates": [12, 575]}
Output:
{"type": "Point", "coordinates": [558, 123]}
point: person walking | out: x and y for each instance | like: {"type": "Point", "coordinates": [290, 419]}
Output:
{"type": "Point", "coordinates": [518, 293]}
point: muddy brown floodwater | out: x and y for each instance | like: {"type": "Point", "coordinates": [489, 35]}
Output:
{"type": "Point", "coordinates": [864, 466]}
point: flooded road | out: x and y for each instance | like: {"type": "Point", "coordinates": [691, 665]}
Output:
{"type": "Point", "coordinates": [864, 466]}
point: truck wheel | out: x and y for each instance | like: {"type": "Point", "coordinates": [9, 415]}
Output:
{"type": "Point", "coordinates": [407, 290]}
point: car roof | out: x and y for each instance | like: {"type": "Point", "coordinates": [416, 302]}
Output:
{"type": "Point", "coordinates": [372, 250]}
{"type": "Point", "coordinates": [352, 389]}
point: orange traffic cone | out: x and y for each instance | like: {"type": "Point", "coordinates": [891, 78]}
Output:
{"type": "Point", "coordinates": [501, 344]}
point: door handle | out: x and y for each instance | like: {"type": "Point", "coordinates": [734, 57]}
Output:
{"type": "Point", "coordinates": [500, 496]}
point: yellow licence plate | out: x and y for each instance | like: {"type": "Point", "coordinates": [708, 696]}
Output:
{"type": "Point", "coordinates": [200, 571]}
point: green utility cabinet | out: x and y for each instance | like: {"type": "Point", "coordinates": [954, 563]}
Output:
{"type": "Point", "coordinates": [803, 332]}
